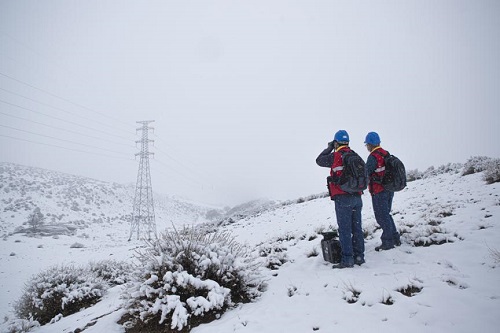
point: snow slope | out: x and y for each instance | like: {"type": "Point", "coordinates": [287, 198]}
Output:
{"type": "Point", "coordinates": [79, 202]}
{"type": "Point", "coordinates": [459, 280]}
{"type": "Point", "coordinates": [450, 287]}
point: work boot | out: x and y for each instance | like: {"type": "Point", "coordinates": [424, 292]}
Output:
{"type": "Point", "coordinates": [383, 247]}
{"type": "Point", "coordinates": [341, 265]}
{"type": "Point", "coordinates": [359, 261]}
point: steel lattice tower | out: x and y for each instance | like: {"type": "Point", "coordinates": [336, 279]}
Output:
{"type": "Point", "coordinates": [143, 217]}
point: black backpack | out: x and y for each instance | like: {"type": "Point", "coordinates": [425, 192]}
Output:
{"type": "Point", "coordinates": [395, 174]}
{"type": "Point", "coordinates": [354, 178]}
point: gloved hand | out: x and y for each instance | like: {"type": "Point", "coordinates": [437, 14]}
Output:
{"type": "Point", "coordinates": [330, 144]}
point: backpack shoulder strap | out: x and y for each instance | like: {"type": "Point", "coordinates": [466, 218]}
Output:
{"type": "Point", "coordinates": [378, 152]}
{"type": "Point", "coordinates": [343, 152]}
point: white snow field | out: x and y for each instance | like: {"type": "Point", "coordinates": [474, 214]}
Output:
{"type": "Point", "coordinates": [452, 284]}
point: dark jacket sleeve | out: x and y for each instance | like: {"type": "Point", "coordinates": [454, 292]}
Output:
{"type": "Point", "coordinates": [371, 164]}
{"type": "Point", "coordinates": [325, 159]}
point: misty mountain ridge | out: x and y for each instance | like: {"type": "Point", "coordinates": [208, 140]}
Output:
{"type": "Point", "coordinates": [70, 202]}
{"type": "Point", "coordinates": [78, 202]}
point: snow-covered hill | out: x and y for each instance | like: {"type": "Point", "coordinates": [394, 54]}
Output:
{"type": "Point", "coordinates": [444, 278]}
{"type": "Point", "coordinates": [80, 203]}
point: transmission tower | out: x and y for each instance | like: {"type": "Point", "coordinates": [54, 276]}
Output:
{"type": "Point", "coordinates": [143, 217]}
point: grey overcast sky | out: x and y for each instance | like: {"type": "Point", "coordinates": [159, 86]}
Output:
{"type": "Point", "coordinates": [245, 94]}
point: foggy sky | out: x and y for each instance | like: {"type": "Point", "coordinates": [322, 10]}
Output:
{"type": "Point", "coordinates": [245, 94]}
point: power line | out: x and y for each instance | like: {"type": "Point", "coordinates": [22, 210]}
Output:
{"type": "Point", "coordinates": [64, 129]}
{"type": "Point", "coordinates": [63, 120]}
{"type": "Point", "coordinates": [56, 108]}
{"type": "Point", "coordinates": [54, 138]}
{"type": "Point", "coordinates": [198, 182]}
{"type": "Point", "coordinates": [177, 172]}
{"type": "Point", "coordinates": [62, 98]}
{"type": "Point", "coordinates": [200, 179]}
{"type": "Point", "coordinates": [180, 163]}
{"type": "Point", "coordinates": [38, 54]}
{"type": "Point", "coordinates": [66, 148]}
{"type": "Point", "coordinates": [173, 159]}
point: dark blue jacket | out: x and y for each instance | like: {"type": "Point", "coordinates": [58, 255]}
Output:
{"type": "Point", "coordinates": [325, 159]}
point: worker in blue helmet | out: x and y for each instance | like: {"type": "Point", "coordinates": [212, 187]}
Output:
{"type": "Point", "coordinates": [381, 198]}
{"type": "Point", "coordinates": [341, 137]}
{"type": "Point", "coordinates": [347, 205]}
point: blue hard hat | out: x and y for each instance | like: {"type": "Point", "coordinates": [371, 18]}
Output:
{"type": "Point", "coordinates": [372, 138]}
{"type": "Point", "coordinates": [341, 136]}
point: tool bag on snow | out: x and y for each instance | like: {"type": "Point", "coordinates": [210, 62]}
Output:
{"type": "Point", "coordinates": [330, 246]}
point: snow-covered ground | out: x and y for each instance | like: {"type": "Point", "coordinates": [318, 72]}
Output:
{"type": "Point", "coordinates": [451, 287]}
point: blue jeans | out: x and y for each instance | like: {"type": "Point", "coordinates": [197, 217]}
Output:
{"type": "Point", "coordinates": [382, 205]}
{"type": "Point", "coordinates": [348, 211]}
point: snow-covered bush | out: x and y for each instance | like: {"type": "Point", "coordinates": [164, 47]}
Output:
{"type": "Point", "coordinates": [429, 227]}
{"type": "Point", "coordinates": [412, 175]}
{"type": "Point", "coordinates": [490, 166]}
{"type": "Point", "coordinates": [411, 288]}
{"type": "Point", "coordinates": [369, 230]}
{"type": "Point", "coordinates": [112, 271]}
{"type": "Point", "coordinates": [58, 290]}
{"type": "Point", "coordinates": [475, 164]}
{"type": "Point", "coordinates": [305, 199]}
{"type": "Point", "coordinates": [351, 294]}
{"type": "Point", "coordinates": [495, 254]}
{"type": "Point", "coordinates": [492, 172]}
{"type": "Point", "coordinates": [275, 254]}
{"type": "Point", "coordinates": [387, 298]}
{"type": "Point", "coordinates": [276, 258]}
{"type": "Point", "coordinates": [432, 235]}
{"type": "Point", "coordinates": [450, 168]}
{"type": "Point", "coordinates": [214, 214]}
{"type": "Point", "coordinates": [19, 325]}
{"type": "Point", "coordinates": [36, 219]}
{"type": "Point", "coordinates": [313, 253]}
{"type": "Point", "coordinates": [188, 278]}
